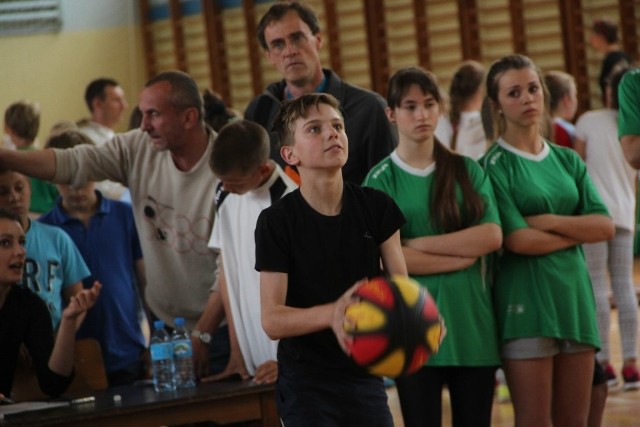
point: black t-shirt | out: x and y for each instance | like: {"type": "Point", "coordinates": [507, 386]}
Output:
{"type": "Point", "coordinates": [323, 257]}
{"type": "Point", "coordinates": [24, 318]}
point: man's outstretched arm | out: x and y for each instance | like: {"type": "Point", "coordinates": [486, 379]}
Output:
{"type": "Point", "coordinates": [37, 163]}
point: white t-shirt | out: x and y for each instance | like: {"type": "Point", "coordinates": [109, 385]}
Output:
{"type": "Point", "coordinates": [614, 178]}
{"type": "Point", "coordinates": [174, 213]}
{"type": "Point", "coordinates": [444, 131]}
{"type": "Point", "coordinates": [233, 235]}
{"type": "Point", "coordinates": [471, 140]}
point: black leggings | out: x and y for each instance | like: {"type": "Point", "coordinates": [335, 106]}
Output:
{"type": "Point", "coordinates": [470, 389]}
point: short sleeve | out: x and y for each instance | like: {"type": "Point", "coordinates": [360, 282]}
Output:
{"type": "Point", "coordinates": [272, 246]}
{"type": "Point", "coordinates": [629, 106]}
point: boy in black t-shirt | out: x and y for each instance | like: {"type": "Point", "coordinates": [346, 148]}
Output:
{"type": "Point", "coordinates": [314, 248]}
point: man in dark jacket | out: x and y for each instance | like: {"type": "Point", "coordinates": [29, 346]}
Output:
{"type": "Point", "coordinates": [290, 35]}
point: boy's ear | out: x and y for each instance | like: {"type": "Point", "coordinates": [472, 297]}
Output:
{"type": "Point", "coordinates": [265, 168]}
{"type": "Point", "coordinates": [286, 151]}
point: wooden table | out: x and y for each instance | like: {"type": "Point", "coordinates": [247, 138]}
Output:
{"type": "Point", "coordinates": [221, 402]}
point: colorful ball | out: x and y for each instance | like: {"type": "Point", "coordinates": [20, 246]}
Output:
{"type": "Point", "coordinates": [395, 325]}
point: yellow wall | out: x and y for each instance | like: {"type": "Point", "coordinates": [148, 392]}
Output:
{"type": "Point", "coordinates": [54, 69]}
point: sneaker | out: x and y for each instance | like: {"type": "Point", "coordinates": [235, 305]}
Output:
{"type": "Point", "coordinates": [612, 381]}
{"type": "Point", "coordinates": [502, 390]}
{"type": "Point", "coordinates": [502, 393]}
{"type": "Point", "coordinates": [631, 378]}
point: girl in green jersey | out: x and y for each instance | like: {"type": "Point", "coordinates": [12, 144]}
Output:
{"type": "Point", "coordinates": [452, 222]}
{"type": "Point", "coordinates": [543, 296]}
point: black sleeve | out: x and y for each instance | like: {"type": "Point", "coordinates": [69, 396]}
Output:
{"type": "Point", "coordinates": [39, 341]}
{"type": "Point", "coordinates": [272, 246]}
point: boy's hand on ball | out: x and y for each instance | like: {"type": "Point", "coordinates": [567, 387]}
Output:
{"type": "Point", "coordinates": [339, 309]}
{"type": "Point", "coordinates": [394, 324]}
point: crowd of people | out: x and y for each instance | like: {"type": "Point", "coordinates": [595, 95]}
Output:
{"type": "Point", "coordinates": [257, 230]}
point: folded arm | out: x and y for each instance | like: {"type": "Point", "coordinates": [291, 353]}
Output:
{"type": "Point", "coordinates": [421, 263]}
{"type": "Point", "coordinates": [581, 228]}
{"type": "Point", "coordinates": [471, 242]}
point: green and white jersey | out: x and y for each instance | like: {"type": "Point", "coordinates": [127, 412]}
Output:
{"type": "Point", "coordinates": [628, 98]}
{"type": "Point", "coordinates": [463, 297]}
{"type": "Point", "coordinates": [547, 295]}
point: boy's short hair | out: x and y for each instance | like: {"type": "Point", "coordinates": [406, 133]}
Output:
{"type": "Point", "coordinates": [68, 139]}
{"type": "Point", "coordinates": [23, 118]}
{"type": "Point", "coordinates": [62, 126]}
{"type": "Point", "coordinates": [292, 109]}
{"type": "Point", "coordinates": [607, 28]}
{"type": "Point", "coordinates": [241, 145]}
{"type": "Point", "coordinates": [97, 89]}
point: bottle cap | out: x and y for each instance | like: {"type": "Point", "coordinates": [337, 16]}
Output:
{"type": "Point", "coordinates": [179, 321]}
{"type": "Point", "coordinates": [158, 324]}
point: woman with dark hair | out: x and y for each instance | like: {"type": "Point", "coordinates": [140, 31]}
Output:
{"type": "Point", "coordinates": [604, 40]}
{"type": "Point", "coordinates": [24, 319]}
{"type": "Point", "coordinates": [466, 94]}
{"type": "Point", "coordinates": [216, 112]}
{"type": "Point", "coordinates": [452, 223]}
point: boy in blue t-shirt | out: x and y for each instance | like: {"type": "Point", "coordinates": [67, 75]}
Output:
{"type": "Point", "coordinates": [105, 233]}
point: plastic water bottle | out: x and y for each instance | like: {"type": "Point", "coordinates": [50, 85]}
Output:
{"type": "Point", "coordinates": [183, 356]}
{"type": "Point", "coordinates": [161, 349]}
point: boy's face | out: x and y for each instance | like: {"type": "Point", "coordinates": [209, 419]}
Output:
{"type": "Point", "coordinates": [240, 182]}
{"type": "Point", "coordinates": [113, 106]}
{"type": "Point", "coordinates": [320, 140]}
{"type": "Point", "coordinates": [15, 193]}
{"type": "Point", "coordinates": [78, 198]}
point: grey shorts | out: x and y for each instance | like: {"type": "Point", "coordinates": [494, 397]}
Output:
{"type": "Point", "coordinates": [536, 347]}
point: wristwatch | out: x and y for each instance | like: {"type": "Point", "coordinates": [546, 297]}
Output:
{"type": "Point", "coordinates": [205, 337]}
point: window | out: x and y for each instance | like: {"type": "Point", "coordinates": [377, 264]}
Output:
{"type": "Point", "coordinates": [21, 17]}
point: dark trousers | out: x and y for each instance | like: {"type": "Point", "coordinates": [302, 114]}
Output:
{"type": "Point", "coordinates": [327, 399]}
{"type": "Point", "coordinates": [470, 389]}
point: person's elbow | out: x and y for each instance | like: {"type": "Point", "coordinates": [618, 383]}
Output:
{"type": "Point", "coordinates": [270, 326]}
{"type": "Point", "coordinates": [605, 230]}
{"type": "Point", "coordinates": [517, 246]}
{"type": "Point", "coordinates": [493, 238]}
{"type": "Point", "coordinates": [55, 384]}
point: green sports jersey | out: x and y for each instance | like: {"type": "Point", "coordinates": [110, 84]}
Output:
{"type": "Point", "coordinates": [548, 295]}
{"type": "Point", "coordinates": [629, 104]}
{"type": "Point", "coordinates": [463, 297]}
